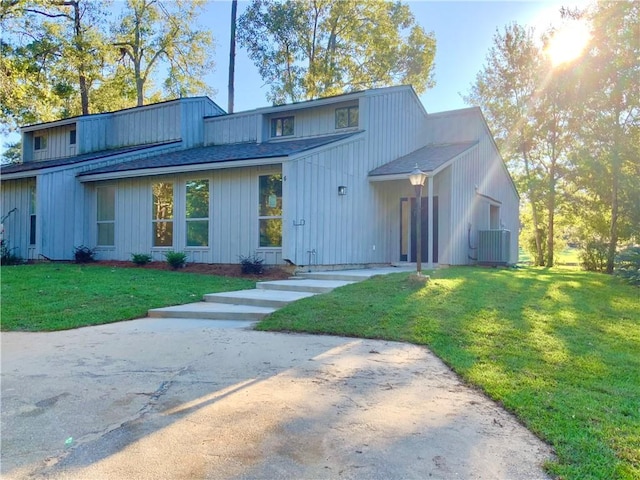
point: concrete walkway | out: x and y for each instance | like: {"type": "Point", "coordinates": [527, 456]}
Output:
{"type": "Point", "coordinates": [267, 297]}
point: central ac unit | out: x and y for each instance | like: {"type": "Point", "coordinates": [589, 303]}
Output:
{"type": "Point", "coordinates": [493, 247]}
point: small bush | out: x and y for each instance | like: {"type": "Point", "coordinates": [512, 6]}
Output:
{"type": "Point", "coordinates": [7, 257]}
{"type": "Point", "coordinates": [593, 256]}
{"type": "Point", "coordinates": [84, 254]}
{"type": "Point", "coordinates": [252, 264]}
{"type": "Point", "coordinates": [176, 259]}
{"type": "Point", "coordinates": [627, 265]}
{"type": "Point", "coordinates": [140, 259]}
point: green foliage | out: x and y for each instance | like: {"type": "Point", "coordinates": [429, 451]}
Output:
{"type": "Point", "coordinates": [12, 153]}
{"type": "Point", "coordinates": [308, 49]}
{"type": "Point", "coordinates": [559, 348]}
{"type": "Point", "coordinates": [73, 296]}
{"type": "Point", "coordinates": [628, 265]}
{"type": "Point", "coordinates": [140, 258]}
{"type": "Point", "coordinates": [83, 254]}
{"type": "Point", "coordinates": [593, 256]}
{"type": "Point", "coordinates": [7, 255]}
{"type": "Point", "coordinates": [251, 265]}
{"type": "Point", "coordinates": [176, 259]}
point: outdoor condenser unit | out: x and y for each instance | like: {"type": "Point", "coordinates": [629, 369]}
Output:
{"type": "Point", "coordinates": [493, 247]}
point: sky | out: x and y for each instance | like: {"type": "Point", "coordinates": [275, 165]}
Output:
{"type": "Point", "coordinates": [464, 33]}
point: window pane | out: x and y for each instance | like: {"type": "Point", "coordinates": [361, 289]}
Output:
{"type": "Point", "coordinates": [32, 198]}
{"type": "Point", "coordinates": [106, 203]}
{"type": "Point", "coordinates": [72, 137]}
{"type": "Point", "coordinates": [198, 233]}
{"type": "Point", "coordinates": [162, 201]}
{"type": "Point", "coordinates": [341, 118]}
{"type": "Point", "coordinates": [353, 116]}
{"type": "Point", "coordinates": [198, 199]}
{"type": "Point", "coordinates": [32, 230]}
{"type": "Point", "coordinates": [287, 126]}
{"type": "Point", "coordinates": [271, 232]}
{"type": "Point", "coordinates": [163, 234]}
{"type": "Point", "coordinates": [270, 195]}
{"type": "Point", "coordinates": [106, 234]}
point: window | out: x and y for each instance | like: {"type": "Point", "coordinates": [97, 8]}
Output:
{"type": "Point", "coordinates": [106, 215]}
{"type": "Point", "coordinates": [72, 137]}
{"type": "Point", "coordinates": [40, 142]}
{"type": "Point", "coordinates": [32, 215]}
{"type": "Point", "coordinates": [270, 214]}
{"type": "Point", "coordinates": [162, 214]}
{"type": "Point", "coordinates": [282, 127]}
{"type": "Point", "coordinates": [347, 117]}
{"type": "Point", "coordinates": [197, 214]}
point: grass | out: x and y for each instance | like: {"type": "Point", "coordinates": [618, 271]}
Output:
{"type": "Point", "coordinates": [49, 297]}
{"type": "Point", "coordinates": [560, 348]}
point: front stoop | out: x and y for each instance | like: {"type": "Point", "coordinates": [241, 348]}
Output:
{"type": "Point", "coordinates": [267, 297]}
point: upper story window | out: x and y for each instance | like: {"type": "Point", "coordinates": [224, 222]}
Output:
{"type": "Point", "coordinates": [347, 117]}
{"type": "Point", "coordinates": [72, 137]}
{"type": "Point", "coordinates": [39, 142]}
{"type": "Point", "coordinates": [282, 127]}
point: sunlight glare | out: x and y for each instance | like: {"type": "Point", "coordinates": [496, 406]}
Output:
{"type": "Point", "coordinates": [568, 43]}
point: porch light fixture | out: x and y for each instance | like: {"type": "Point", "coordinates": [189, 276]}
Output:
{"type": "Point", "coordinates": [417, 178]}
{"type": "Point", "coordinates": [342, 190]}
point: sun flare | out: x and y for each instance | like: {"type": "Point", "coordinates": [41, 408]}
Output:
{"type": "Point", "coordinates": [568, 43]}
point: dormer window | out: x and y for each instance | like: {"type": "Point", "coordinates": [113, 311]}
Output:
{"type": "Point", "coordinates": [347, 117]}
{"type": "Point", "coordinates": [40, 142]}
{"type": "Point", "coordinates": [282, 127]}
{"type": "Point", "coordinates": [72, 137]}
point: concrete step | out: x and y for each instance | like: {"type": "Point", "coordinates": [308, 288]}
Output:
{"type": "Point", "coordinates": [212, 311]}
{"type": "Point", "coordinates": [258, 297]}
{"type": "Point", "coordinates": [303, 285]}
{"type": "Point", "coordinates": [352, 275]}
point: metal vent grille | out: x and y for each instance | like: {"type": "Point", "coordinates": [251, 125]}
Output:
{"type": "Point", "coordinates": [493, 247]}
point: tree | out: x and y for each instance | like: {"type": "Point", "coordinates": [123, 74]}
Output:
{"type": "Point", "coordinates": [311, 48]}
{"type": "Point", "coordinates": [149, 34]}
{"type": "Point", "coordinates": [610, 119]}
{"type": "Point", "coordinates": [232, 55]}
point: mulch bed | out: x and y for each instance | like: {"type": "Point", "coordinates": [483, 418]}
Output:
{"type": "Point", "coordinates": [225, 270]}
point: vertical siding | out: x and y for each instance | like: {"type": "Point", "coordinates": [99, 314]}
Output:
{"type": "Point", "coordinates": [230, 129]}
{"type": "Point", "coordinates": [57, 144]}
{"type": "Point", "coordinates": [16, 194]}
{"type": "Point", "coordinates": [233, 223]}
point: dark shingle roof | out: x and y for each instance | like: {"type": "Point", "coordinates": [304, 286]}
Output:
{"type": "Point", "coordinates": [60, 162]}
{"type": "Point", "coordinates": [222, 153]}
{"type": "Point", "coordinates": [427, 158]}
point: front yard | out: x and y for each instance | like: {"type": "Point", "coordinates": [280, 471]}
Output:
{"type": "Point", "coordinates": [558, 347]}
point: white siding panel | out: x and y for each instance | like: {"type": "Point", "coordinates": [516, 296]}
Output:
{"type": "Point", "coordinates": [226, 129]}
{"type": "Point", "coordinates": [58, 145]}
{"type": "Point", "coordinates": [15, 194]}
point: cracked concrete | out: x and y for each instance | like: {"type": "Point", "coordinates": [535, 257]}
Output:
{"type": "Point", "coordinates": [155, 399]}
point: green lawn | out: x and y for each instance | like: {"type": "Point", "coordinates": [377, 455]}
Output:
{"type": "Point", "coordinates": [560, 348]}
{"type": "Point", "coordinates": [47, 297]}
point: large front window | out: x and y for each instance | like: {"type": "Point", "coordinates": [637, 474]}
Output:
{"type": "Point", "coordinates": [32, 215]}
{"type": "Point", "coordinates": [162, 214]}
{"type": "Point", "coordinates": [106, 215]}
{"type": "Point", "coordinates": [270, 214]}
{"type": "Point", "coordinates": [197, 215]}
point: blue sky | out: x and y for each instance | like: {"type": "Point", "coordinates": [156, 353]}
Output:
{"type": "Point", "coordinates": [464, 32]}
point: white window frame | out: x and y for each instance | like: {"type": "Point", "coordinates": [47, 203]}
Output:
{"type": "Point", "coordinates": [171, 220]}
{"type": "Point", "coordinates": [197, 219]}
{"type": "Point", "coordinates": [105, 221]}
{"type": "Point", "coordinates": [268, 217]}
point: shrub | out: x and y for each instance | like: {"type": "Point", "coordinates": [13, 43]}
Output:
{"type": "Point", "coordinates": [7, 257]}
{"type": "Point", "coordinates": [627, 265]}
{"type": "Point", "coordinates": [593, 256]}
{"type": "Point", "coordinates": [140, 258]}
{"type": "Point", "coordinates": [252, 264]}
{"type": "Point", "coordinates": [84, 254]}
{"type": "Point", "coordinates": [176, 259]}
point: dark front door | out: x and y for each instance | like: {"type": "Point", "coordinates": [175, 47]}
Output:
{"type": "Point", "coordinates": [408, 219]}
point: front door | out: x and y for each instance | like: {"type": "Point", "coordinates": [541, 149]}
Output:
{"type": "Point", "coordinates": [408, 219]}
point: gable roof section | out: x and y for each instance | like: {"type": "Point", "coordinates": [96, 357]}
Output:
{"type": "Point", "coordinates": [36, 166]}
{"type": "Point", "coordinates": [429, 159]}
{"type": "Point", "coordinates": [205, 157]}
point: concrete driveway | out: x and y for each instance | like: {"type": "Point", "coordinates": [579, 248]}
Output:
{"type": "Point", "coordinates": [172, 399]}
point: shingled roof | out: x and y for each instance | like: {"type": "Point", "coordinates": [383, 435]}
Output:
{"type": "Point", "coordinates": [221, 153]}
{"type": "Point", "coordinates": [428, 159]}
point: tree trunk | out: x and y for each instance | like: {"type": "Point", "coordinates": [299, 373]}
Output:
{"type": "Point", "coordinates": [534, 213]}
{"type": "Point", "coordinates": [82, 78]}
{"type": "Point", "coordinates": [232, 55]}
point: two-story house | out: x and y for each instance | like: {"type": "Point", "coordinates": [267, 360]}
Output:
{"type": "Point", "coordinates": [323, 182]}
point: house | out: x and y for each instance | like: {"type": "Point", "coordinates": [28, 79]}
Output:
{"type": "Point", "coordinates": [322, 182]}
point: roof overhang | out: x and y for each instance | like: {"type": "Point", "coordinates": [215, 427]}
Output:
{"type": "Point", "coordinates": [199, 167]}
